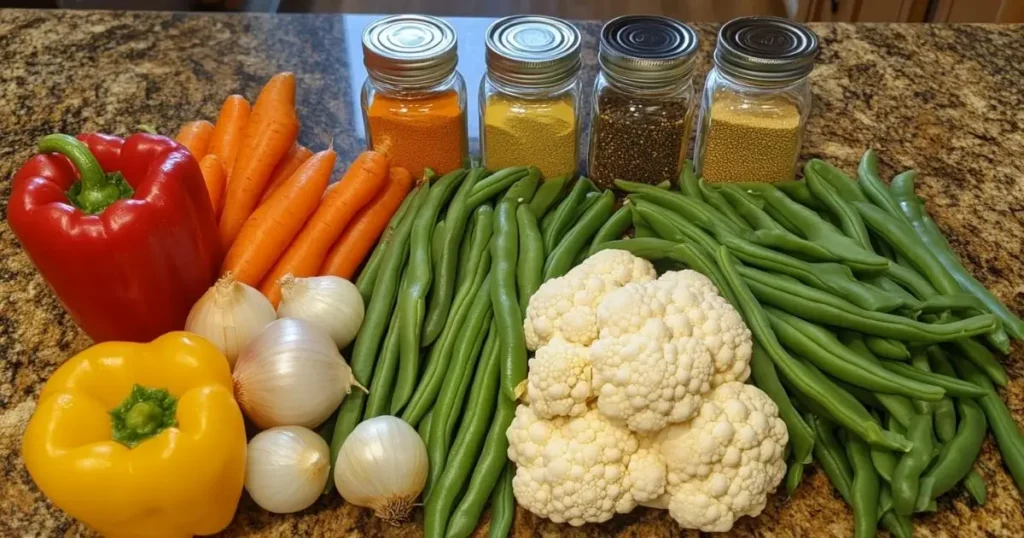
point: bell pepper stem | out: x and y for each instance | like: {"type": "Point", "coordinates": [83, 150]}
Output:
{"type": "Point", "coordinates": [142, 414]}
{"type": "Point", "coordinates": [96, 189]}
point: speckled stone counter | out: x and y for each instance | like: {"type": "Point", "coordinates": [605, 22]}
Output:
{"type": "Point", "coordinates": [946, 100]}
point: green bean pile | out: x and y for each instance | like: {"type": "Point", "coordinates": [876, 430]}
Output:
{"type": "Point", "coordinates": [442, 344]}
{"type": "Point", "coordinates": [870, 336]}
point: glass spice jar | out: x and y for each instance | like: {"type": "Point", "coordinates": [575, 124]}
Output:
{"type": "Point", "coordinates": [756, 101]}
{"type": "Point", "coordinates": [529, 97]}
{"type": "Point", "coordinates": [643, 100]}
{"type": "Point", "coordinates": [414, 100]}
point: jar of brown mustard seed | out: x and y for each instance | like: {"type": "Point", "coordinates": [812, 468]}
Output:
{"type": "Point", "coordinates": [643, 100]}
{"type": "Point", "coordinates": [756, 100]}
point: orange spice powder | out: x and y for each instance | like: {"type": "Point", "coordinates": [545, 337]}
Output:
{"type": "Point", "coordinates": [418, 133]}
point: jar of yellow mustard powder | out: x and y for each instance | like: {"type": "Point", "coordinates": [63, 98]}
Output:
{"type": "Point", "coordinates": [530, 95]}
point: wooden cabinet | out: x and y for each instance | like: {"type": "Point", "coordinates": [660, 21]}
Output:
{"type": "Point", "coordinates": [907, 10]}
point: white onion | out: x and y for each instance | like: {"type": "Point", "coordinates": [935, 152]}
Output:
{"type": "Point", "coordinates": [291, 374]}
{"type": "Point", "coordinates": [382, 465]}
{"type": "Point", "coordinates": [331, 302]}
{"type": "Point", "coordinates": [229, 315]}
{"type": "Point", "coordinates": [286, 468]}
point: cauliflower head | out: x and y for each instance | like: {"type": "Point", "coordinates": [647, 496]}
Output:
{"type": "Point", "coordinates": [559, 380]}
{"type": "Point", "coordinates": [567, 305]}
{"type": "Point", "coordinates": [722, 464]}
{"type": "Point", "coordinates": [571, 469]}
{"type": "Point", "coordinates": [648, 379]}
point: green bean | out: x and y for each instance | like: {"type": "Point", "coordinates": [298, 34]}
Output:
{"type": "Point", "coordinates": [589, 200]}
{"type": "Point", "coordinates": [822, 348]}
{"type": "Point", "coordinates": [503, 505]}
{"type": "Point", "coordinates": [864, 489]}
{"type": "Point", "coordinates": [801, 437]}
{"type": "Point", "coordinates": [664, 185]}
{"type": "Point", "coordinates": [443, 285]}
{"type": "Point", "coordinates": [690, 209]}
{"type": "Point", "coordinates": [887, 348]}
{"type": "Point", "coordinates": [975, 485]}
{"type": "Point", "coordinates": [746, 207]}
{"type": "Point", "coordinates": [715, 199]}
{"type": "Point", "coordinates": [493, 460]}
{"type": "Point", "coordinates": [371, 269]}
{"type": "Point", "coordinates": [898, 407]}
{"type": "Point", "coordinates": [933, 240]}
{"type": "Point", "coordinates": [843, 184]}
{"type": "Point", "coordinates": [873, 187]}
{"type": "Point", "coordinates": [832, 457]}
{"type": "Point", "coordinates": [663, 221]}
{"type": "Point", "coordinates": [530, 265]}
{"type": "Point", "coordinates": [522, 191]}
{"type": "Point", "coordinates": [688, 182]}
{"type": "Point", "coordinates": [849, 219]}
{"type": "Point", "coordinates": [831, 277]}
{"type": "Point", "coordinates": [463, 360]}
{"type": "Point", "coordinates": [412, 297]}
{"type": "Point", "coordinates": [794, 475]}
{"type": "Point", "coordinates": [820, 307]}
{"type": "Point", "coordinates": [840, 404]}
{"type": "Point", "coordinates": [378, 312]}
{"type": "Point", "coordinates": [906, 477]}
{"type": "Point", "coordinates": [641, 229]}
{"type": "Point", "coordinates": [492, 185]}
{"type": "Point", "coordinates": [561, 258]}
{"type": "Point", "coordinates": [562, 218]}
{"type": "Point", "coordinates": [911, 280]}
{"type": "Point", "coordinates": [436, 242]}
{"type": "Point", "coordinates": [945, 414]}
{"type": "Point", "coordinates": [424, 427]}
{"type": "Point", "coordinates": [884, 462]}
{"type": "Point", "coordinates": [897, 525]}
{"type": "Point", "coordinates": [383, 384]}
{"type": "Point", "coordinates": [548, 194]}
{"type": "Point", "coordinates": [784, 240]}
{"type": "Point", "coordinates": [957, 456]}
{"type": "Point", "coordinates": [507, 314]}
{"type": "Point", "coordinates": [959, 301]}
{"type": "Point", "coordinates": [613, 228]}
{"type": "Point", "coordinates": [883, 282]}
{"type": "Point", "coordinates": [953, 386]}
{"type": "Point", "coordinates": [798, 191]}
{"type": "Point", "coordinates": [466, 379]}
{"type": "Point", "coordinates": [433, 377]}
{"type": "Point", "coordinates": [812, 227]}
{"type": "Point", "coordinates": [479, 411]}
{"type": "Point", "coordinates": [983, 359]}
{"type": "Point", "coordinates": [1000, 420]}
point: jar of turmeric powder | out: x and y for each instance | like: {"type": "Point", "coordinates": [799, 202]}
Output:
{"type": "Point", "coordinates": [414, 100]}
{"type": "Point", "coordinates": [756, 100]}
{"type": "Point", "coordinates": [530, 96]}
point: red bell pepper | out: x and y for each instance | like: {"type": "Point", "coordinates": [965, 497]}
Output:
{"type": "Point", "coordinates": [122, 229]}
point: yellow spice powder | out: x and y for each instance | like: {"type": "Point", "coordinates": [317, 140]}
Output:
{"type": "Point", "coordinates": [538, 132]}
{"type": "Point", "coordinates": [751, 139]}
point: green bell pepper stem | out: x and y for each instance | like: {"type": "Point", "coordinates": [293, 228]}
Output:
{"type": "Point", "coordinates": [96, 189]}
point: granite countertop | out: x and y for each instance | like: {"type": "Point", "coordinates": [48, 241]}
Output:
{"type": "Point", "coordinates": [945, 99]}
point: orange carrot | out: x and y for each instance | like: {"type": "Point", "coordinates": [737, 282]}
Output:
{"type": "Point", "coordinates": [288, 165]}
{"type": "Point", "coordinates": [195, 135]}
{"type": "Point", "coordinates": [227, 133]}
{"type": "Point", "coordinates": [271, 130]}
{"type": "Point", "coordinates": [272, 227]}
{"type": "Point", "coordinates": [361, 235]}
{"type": "Point", "coordinates": [362, 181]}
{"type": "Point", "coordinates": [213, 174]}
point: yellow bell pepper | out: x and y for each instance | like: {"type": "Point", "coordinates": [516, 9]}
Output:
{"type": "Point", "coordinates": [141, 440]}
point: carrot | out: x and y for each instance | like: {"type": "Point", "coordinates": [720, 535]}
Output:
{"type": "Point", "coordinates": [284, 169]}
{"type": "Point", "coordinates": [228, 132]}
{"type": "Point", "coordinates": [364, 178]}
{"type": "Point", "coordinates": [361, 235]}
{"type": "Point", "coordinates": [272, 227]}
{"type": "Point", "coordinates": [214, 176]}
{"type": "Point", "coordinates": [271, 130]}
{"type": "Point", "coordinates": [195, 135]}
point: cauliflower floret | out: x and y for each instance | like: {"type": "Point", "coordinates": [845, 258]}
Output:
{"type": "Point", "coordinates": [559, 380]}
{"type": "Point", "coordinates": [649, 379]}
{"type": "Point", "coordinates": [724, 462]}
{"type": "Point", "coordinates": [571, 469]}
{"type": "Point", "coordinates": [567, 304]}
{"type": "Point", "coordinates": [693, 307]}
{"type": "Point", "coordinates": [646, 473]}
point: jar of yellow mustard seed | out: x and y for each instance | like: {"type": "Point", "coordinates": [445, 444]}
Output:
{"type": "Point", "coordinates": [756, 100]}
{"type": "Point", "coordinates": [529, 97]}
{"type": "Point", "coordinates": [414, 100]}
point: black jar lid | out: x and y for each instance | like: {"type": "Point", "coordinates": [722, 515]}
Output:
{"type": "Point", "coordinates": [647, 51]}
{"type": "Point", "coordinates": [766, 49]}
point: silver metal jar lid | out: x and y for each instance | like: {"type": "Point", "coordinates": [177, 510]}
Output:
{"type": "Point", "coordinates": [533, 51]}
{"type": "Point", "coordinates": [766, 49]}
{"type": "Point", "coordinates": [647, 51]}
{"type": "Point", "coordinates": [413, 51]}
